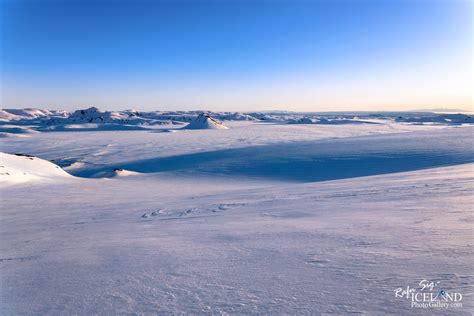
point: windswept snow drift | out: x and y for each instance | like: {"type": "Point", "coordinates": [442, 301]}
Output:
{"type": "Point", "coordinates": [18, 168]}
{"type": "Point", "coordinates": [14, 129]}
{"type": "Point", "coordinates": [148, 247]}
{"type": "Point", "coordinates": [205, 121]}
{"type": "Point", "coordinates": [231, 222]}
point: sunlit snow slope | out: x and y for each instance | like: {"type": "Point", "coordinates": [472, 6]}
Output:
{"type": "Point", "coordinates": [23, 168]}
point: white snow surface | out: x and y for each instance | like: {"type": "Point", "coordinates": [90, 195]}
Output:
{"type": "Point", "coordinates": [23, 168]}
{"type": "Point", "coordinates": [263, 218]}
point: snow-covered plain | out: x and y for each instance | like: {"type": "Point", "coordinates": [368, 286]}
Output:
{"type": "Point", "coordinates": [278, 214]}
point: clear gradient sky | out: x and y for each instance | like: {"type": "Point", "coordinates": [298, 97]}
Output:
{"type": "Point", "coordinates": [237, 55]}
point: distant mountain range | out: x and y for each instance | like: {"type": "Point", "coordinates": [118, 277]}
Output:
{"type": "Point", "coordinates": [443, 110]}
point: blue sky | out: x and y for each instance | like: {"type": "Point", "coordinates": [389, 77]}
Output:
{"type": "Point", "coordinates": [237, 55]}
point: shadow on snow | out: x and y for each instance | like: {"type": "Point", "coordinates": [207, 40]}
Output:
{"type": "Point", "coordinates": [319, 160]}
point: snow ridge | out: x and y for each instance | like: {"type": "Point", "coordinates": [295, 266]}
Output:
{"type": "Point", "coordinates": [205, 121]}
{"type": "Point", "coordinates": [19, 168]}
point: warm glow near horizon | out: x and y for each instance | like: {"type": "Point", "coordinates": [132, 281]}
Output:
{"type": "Point", "coordinates": [238, 55]}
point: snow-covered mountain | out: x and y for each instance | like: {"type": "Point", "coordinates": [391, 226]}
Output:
{"type": "Point", "coordinates": [94, 115]}
{"type": "Point", "coordinates": [205, 121]}
{"type": "Point", "coordinates": [451, 119]}
{"type": "Point", "coordinates": [8, 115]}
{"type": "Point", "coordinates": [125, 117]}
{"type": "Point", "coordinates": [303, 120]}
{"type": "Point", "coordinates": [32, 120]}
